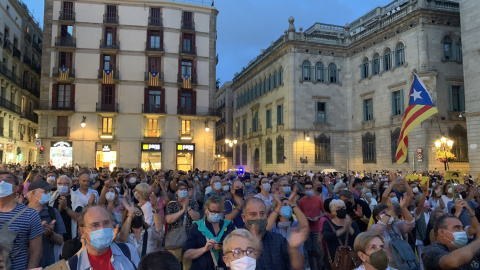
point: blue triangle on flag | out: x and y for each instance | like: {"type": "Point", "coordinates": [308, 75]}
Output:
{"type": "Point", "coordinates": [154, 73]}
{"type": "Point", "coordinates": [186, 76]}
{"type": "Point", "coordinates": [63, 69]}
{"type": "Point", "coordinates": [108, 71]}
{"type": "Point", "coordinates": [418, 94]}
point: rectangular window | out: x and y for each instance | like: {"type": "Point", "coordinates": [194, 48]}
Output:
{"type": "Point", "coordinates": [108, 62]}
{"type": "Point", "coordinates": [322, 149]}
{"type": "Point", "coordinates": [154, 39]}
{"type": "Point", "coordinates": [108, 98]}
{"type": "Point", "coordinates": [154, 64]}
{"type": "Point", "coordinates": [268, 120]}
{"type": "Point", "coordinates": [186, 127]}
{"type": "Point", "coordinates": [22, 104]}
{"type": "Point", "coordinates": [397, 103]}
{"type": "Point", "coordinates": [65, 59]}
{"type": "Point", "coordinates": [152, 128]}
{"type": "Point", "coordinates": [63, 97]}
{"type": "Point", "coordinates": [321, 113]}
{"type": "Point", "coordinates": [187, 67]}
{"type": "Point", "coordinates": [62, 126]}
{"type": "Point", "coordinates": [110, 36]}
{"type": "Point", "coordinates": [155, 101]}
{"type": "Point", "coordinates": [68, 8]}
{"type": "Point", "coordinates": [244, 127]}
{"type": "Point", "coordinates": [367, 110]}
{"type": "Point", "coordinates": [280, 114]}
{"type": "Point", "coordinates": [107, 124]}
{"type": "Point", "coordinates": [155, 18]}
{"type": "Point", "coordinates": [188, 42]}
{"type": "Point", "coordinates": [255, 122]}
{"type": "Point", "coordinates": [457, 98]}
{"type": "Point", "coordinates": [111, 12]}
{"type": "Point", "coordinates": [187, 20]}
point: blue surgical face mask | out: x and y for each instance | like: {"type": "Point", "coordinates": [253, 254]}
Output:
{"type": "Point", "coordinates": [309, 193]}
{"type": "Point", "coordinates": [182, 194]}
{"type": "Point", "coordinates": [6, 189]}
{"type": "Point", "coordinates": [368, 194]}
{"type": "Point", "coordinates": [214, 217]}
{"type": "Point", "coordinates": [394, 199]}
{"type": "Point", "coordinates": [217, 185]}
{"type": "Point", "coordinates": [287, 189]}
{"type": "Point", "coordinates": [45, 198]}
{"type": "Point", "coordinates": [286, 212]}
{"type": "Point", "coordinates": [62, 190]}
{"type": "Point", "coordinates": [101, 239]}
{"type": "Point", "coordinates": [266, 187]}
{"type": "Point", "coordinates": [461, 239]}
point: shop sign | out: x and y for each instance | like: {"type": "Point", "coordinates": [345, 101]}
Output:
{"type": "Point", "coordinates": [9, 148]}
{"type": "Point", "coordinates": [61, 144]}
{"type": "Point", "coordinates": [151, 147]}
{"type": "Point", "coordinates": [186, 147]}
{"type": "Point", "coordinates": [106, 148]}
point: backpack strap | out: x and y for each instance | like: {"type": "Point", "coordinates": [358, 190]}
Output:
{"type": "Point", "coordinates": [144, 244]}
{"type": "Point", "coordinates": [72, 262]}
{"type": "Point", "coordinates": [335, 231]}
{"type": "Point", "coordinates": [126, 251]}
{"type": "Point", "coordinates": [7, 224]}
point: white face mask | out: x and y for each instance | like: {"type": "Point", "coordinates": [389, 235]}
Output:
{"type": "Point", "coordinates": [244, 263]}
{"type": "Point", "coordinates": [132, 180]}
{"type": "Point", "coordinates": [51, 178]}
{"type": "Point", "coordinates": [110, 196]}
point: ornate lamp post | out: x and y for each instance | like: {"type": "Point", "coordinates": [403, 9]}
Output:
{"type": "Point", "coordinates": [444, 146]}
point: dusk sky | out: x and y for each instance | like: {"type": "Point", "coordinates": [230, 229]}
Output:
{"type": "Point", "coordinates": [247, 26]}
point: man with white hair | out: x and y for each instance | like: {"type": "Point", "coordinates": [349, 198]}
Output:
{"type": "Point", "coordinates": [216, 185]}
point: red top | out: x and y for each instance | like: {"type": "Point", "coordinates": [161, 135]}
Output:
{"type": "Point", "coordinates": [101, 262]}
{"type": "Point", "coordinates": [312, 207]}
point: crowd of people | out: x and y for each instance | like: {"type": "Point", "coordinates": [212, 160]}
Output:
{"type": "Point", "coordinates": [84, 218]}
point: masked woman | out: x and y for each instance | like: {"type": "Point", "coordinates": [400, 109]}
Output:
{"type": "Point", "coordinates": [204, 243]}
{"type": "Point", "coordinates": [368, 247]}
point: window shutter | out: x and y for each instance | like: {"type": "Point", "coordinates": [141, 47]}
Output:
{"type": "Point", "coordinates": [326, 115]}
{"type": "Point", "coordinates": [454, 50]}
{"type": "Point", "coordinates": [162, 101]}
{"type": "Point", "coordinates": [180, 69]}
{"type": "Point", "coordinates": [146, 107]}
{"type": "Point", "coordinates": [179, 93]}
{"type": "Point", "coordinates": [461, 98]}
{"type": "Point", "coordinates": [72, 96]}
{"type": "Point", "coordinates": [365, 110]}
{"type": "Point", "coordinates": [402, 102]}
{"type": "Point", "coordinates": [451, 96]}
{"type": "Point", "coordinates": [193, 43]}
{"type": "Point", "coordinates": [194, 102]}
{"type": "Point", "coordinates": [54, 96]}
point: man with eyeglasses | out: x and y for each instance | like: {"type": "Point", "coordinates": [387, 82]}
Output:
{"type": "Point", "coordinates": [27, 246]}
{"type": "Point", "coordinates": [96, 226]}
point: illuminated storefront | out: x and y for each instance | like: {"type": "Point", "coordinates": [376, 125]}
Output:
{"type": "Point", "coordinates": [151, 156]}
{"type": "Point", "coordinates": [106, 156]}
{"type": "Point", "coordinates": [185, 156]}
{"type": "Point", "coordinates": [61, 154]}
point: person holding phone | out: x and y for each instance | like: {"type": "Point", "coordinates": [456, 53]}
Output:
{"type": "Point", "coordinates": [463, 205]}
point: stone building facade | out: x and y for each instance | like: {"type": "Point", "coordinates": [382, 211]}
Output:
{"type": "Point", "coordinates": [224, 141]}
{"type": "Point", "coordinates": [20, 39]}
{"type": "Point", "coordinates": [129, 83]}
{"type": "Point", "coordinates": [333, 96]}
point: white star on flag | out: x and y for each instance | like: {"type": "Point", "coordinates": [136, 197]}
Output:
{"type": "Point", "coordinates": [416, 94]}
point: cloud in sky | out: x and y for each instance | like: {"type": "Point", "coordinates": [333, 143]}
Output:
{"type": "Point", "coordinates": [244, 27]}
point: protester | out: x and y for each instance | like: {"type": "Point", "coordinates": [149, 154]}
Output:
{"type": "Point", "coordinates": [142, 194]}
{"type": "Point", "coordinates": [369, 248]}
{"type": "Point", "coordinates": [264, 194]}
{"type": "Point", "coordinates": [358, 210]}
{"type": "Point", "coordinates": [234, 205]}
{"type": "Point", "coordinates": [241, 250]}
{"type": "Point", "coordinates": [216, 185]}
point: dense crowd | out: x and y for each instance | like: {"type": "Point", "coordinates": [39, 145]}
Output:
{"type": "Point", "coordinates": [84, 218]}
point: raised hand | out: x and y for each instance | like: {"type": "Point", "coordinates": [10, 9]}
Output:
{"type": "Point", "coordinates": [91, 200]}
{"type": "Point", "coordinates": [48, 228]}
{"type": "Point", "coordinates": [358, 211]}
{"type": "Point", "coordinates": [209, 245]}
{"type": "Point", "coordinates": [129, 206]}
{"type": "Point", "coordinates": [297, 238]}
{"type": "Point", "coordinates": [153, 201]}
{"type": "Point", "coordinates": [62, 203]}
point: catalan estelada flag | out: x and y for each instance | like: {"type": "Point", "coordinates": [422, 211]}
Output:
{"type": "Point", "coordinates": [107, 76]}
{"type": "Point", "coordinates": [187, 81]}
{"type": "Point", "coordinates": [420, 107]}
{"type": "Point", "coordinates": [63, 74]}
{"type": "Point", "coordinates": [153, 78]}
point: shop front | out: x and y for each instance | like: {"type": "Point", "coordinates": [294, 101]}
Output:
{"type": "Point", "coordinates": [61, 154]}
{"type": "Point", "coordinates": [185, 156]}
{"type": "Point", "coordinates": [106, 156]}
{"type": "Point", "coordinates": [151, 156]}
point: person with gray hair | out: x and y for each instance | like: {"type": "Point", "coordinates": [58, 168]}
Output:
{"type": "Point", "coordinates": [142, 194]}
{"type": "Point", "coordinates": [241, 250]}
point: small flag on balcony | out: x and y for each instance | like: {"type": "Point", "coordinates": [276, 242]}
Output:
{"type": "Point", "coordinates": [63, 74]}
{"type": "Point", "coordinates": [153, 78]}
{"type": "Point", "coordinates": [107, 76]}
{"type": "Point", "coordinates": [187, 81]}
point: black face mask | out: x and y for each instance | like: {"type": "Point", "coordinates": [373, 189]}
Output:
{"type": "Point", "coordinates": [319, 189]}
{"type": "Point", "coordinates": [349, 205]}
{"type": "Point", "coordinates": [120, 180]}
{"type": "Point", "coordinates": [239, 192]}
{"type": "Point", "coordinates": [342, 213]}
{"type": "Point", "coordinates": [137, 222]}
{"type": "Point", "coordinates": [464, 194]}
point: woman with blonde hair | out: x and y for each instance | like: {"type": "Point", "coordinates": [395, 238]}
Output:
{"type": "Point", "coordinates": [368, 247]}
{"type": "Point", "coordinates": [241, 250]}
{"type": "Point", "coordinates": [142, 193]}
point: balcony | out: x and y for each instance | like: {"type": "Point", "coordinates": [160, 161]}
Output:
{"type": "Point", "coordinates": [66, 41]}
{"type": "Point", "coordinates": [63, 106]}
{"type": "Point", "coordinates": [221, 121]}
{"type": "Point", "coordinates": [110, 45]}
{"type": "Point", "coordinates": [155, 21]}
{"type": "Point", "coordinates": [61, 132]}
{"type": "Point", "coordinates": [220, 137]}
{"type": "Point", "coordinates": [147, 77]}
{"type": "Point", "coordinates": [106, 134]}
{"type": "Point", "coordinates": [189, 51]}
{"type": "Point", "coordinates": [28, 37]}
{"type": "Point", "coordinates": [9, 105]}
{"type": "Point", "coordinates": [61, 76]}
{"type": "Point", "coordinates": [149, 47]}
{"type": "Point", "coordinates": [9, 74]}
{"type": "Point", "coordinates": [188, 26]}
{"type": "Point", "coordinates": [37, 47]}
{"type": "Point", "coordinates": [7, 44]}
{"type": "Point", "coordinates": [185, 135]}
{"type": "Point", "coordinates": [27, 60]}
{"type": "Point", "coordinates": [29, 116]}
{"type": "Point", "coordinates": [110, 19]}
{"type": "Point", "coordinates": [115, 75]}
{"type": "Point", "coordinates": [101, 107]}
{"type": "Point", "coordinates": [199, 111]}
{"type": "Point", "coordinates": [17, 53]}
{"type": "Point", "coordinates": [154, 108]}
{"type": "Point", "coordinates": [34, 90]}
{"type": "Point", "coordinates": [151, 133]}
{"type": "Point", "coordinates": [193, 78]}
{"type": "Point", "coordinates": [66, 16]}
{"type": "Point", "coordinates": [21, 136]}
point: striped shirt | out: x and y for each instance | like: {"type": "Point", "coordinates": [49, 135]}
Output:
{"type": "Point", "coordinates": [28, 226]}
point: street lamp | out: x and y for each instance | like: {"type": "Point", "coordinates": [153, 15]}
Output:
{"type": "Point", "coordinates": [230, 142]}
{"type": "Point", "coordinates": [444, 145]}
{"type": "Point", "coordinates": [83, 124]}
{"type": "Point", "coordinates": [206, 126]}
{"type": "Point", "coordinates": [306, 136]}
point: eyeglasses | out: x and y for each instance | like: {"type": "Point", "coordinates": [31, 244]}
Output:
{"type": "Point", "coordinates": [239, 253]}
{"type": "Point", "coordinates": [99, 225]}
{"type": "Point", "coordinates": [215, 212]}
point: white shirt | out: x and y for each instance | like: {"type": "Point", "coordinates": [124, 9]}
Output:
{"type": "Point", "coordinates": [147, 213]}
{"type": "Point", "coordinates": [80, 199]}
{"type": "Point", "coordinates": [268, 201]}
{"type": "Point", "coordinates": [446, 200]}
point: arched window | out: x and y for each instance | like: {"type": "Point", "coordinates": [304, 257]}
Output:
{"type": "Point", "coordinates": [275, 80]}
{"type": "Point", "coordinates": [375, 64]}
{"type": "Point", "coordinates": [332, 73]}
{"type": "Point", "coordinates": [306, 71]}
{"type": "Point", "coordinates": [255, 122]}
{"type": "Point", "coordinates": [280, 150]}
{"type": "Point", "coordinates": [322, 149]}
{"type": "Point", "coordinates": [319, 72]}
{"type": "Point", "coordinates": [460, 144]}
{"type": "Point", "coordinates": [365, 66]}
{"type": "Point", "coordinates": [244, 154]}
{"type": "Point", "coordinates": [387, 59]}
{"type": "Point", "coordinates": [399, 55]}
{"type": "Point", "coordinates": [272, 82]}
{"type": "Point", "coordinates": [448, 48]}
{"type": "Point", "coordinates": [369, 149]}
{"type": "Point", "coordinates": [268, 151]}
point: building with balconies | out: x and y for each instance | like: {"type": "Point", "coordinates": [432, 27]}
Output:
{"type": "Point", "coordinates": [20, 83]}
{"type": "Point", "coordinates": [130, 84]}
{"type": "Point", "coordinates": [224, 141]}
{"type": "Point", "coordinates": [334, 96]}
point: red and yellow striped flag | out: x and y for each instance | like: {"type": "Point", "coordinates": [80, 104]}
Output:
{"type": "Point", "coordinates": [63, 74]}
{"type": "Point", "coordinates": [187, 81]}
{"type": "Point", "coordinates": [107, 76]}
{"type": "Point", "coordinates": [153, 78]}
{"type": "Point", "coordinates": [420, 107]}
